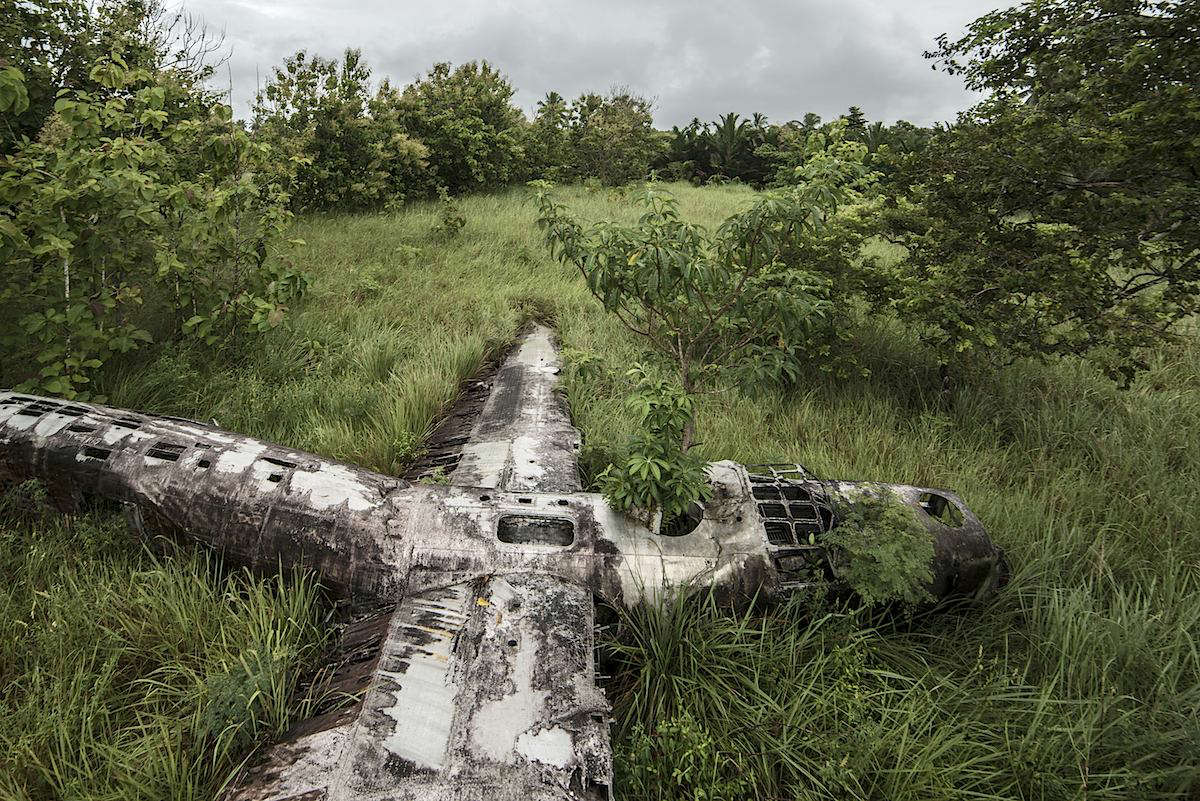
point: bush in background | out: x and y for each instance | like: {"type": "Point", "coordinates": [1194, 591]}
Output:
{"type": "Point", "coordinates": [345, 148]}
{"type": "Point", "coordinates": [466, 119]}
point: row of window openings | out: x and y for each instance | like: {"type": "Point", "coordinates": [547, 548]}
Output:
{"type": "Point", "coordinates": [170, 452]}
{"type": "Point", "coordinates": [560, 501]}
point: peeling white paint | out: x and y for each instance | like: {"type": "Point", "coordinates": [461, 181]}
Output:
{"type": "Point", "coordinates": [332, 485]}
{"type": "Point", "coordinates": [550, 747]}
{"type": "Point", "coordinates": [51, 424]}
{"type": "Point", "coordinates": [421, 710]}
{"type": "Point", "coordinates": [497, 725]}
{"type": "Point", "coordinates": [240, 458]}
{"type": "Point", "coordinates": [21, 422]}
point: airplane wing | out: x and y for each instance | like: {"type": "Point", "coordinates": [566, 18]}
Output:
{"type": "Point", "coordinates": [482, 689]}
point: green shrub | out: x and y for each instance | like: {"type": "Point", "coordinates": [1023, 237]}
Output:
{"type": "Point", "coordinates": [881, 550]}
{"type": "Point", "coordinates": [658, 474]}
{"type": "Point", "coordinates": [466, 119]}
{"type": "Point", "coordinates": [679, 758]}
{"type": "Point", "coordinates": [450, 217]}
{"type": "Point", "coordinates": [125, 208]}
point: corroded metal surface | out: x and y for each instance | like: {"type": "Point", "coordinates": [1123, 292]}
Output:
{"type": "Point", "coordinates": [523, 439]}
{"type": "Point", "coordinates": [478, 680]}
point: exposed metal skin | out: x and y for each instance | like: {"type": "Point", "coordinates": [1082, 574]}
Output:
{"type": "Point", "coordinates": [480, 681]}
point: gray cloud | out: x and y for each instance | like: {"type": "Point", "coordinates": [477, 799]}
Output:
{"type": "Point", "coordinates": [694, 57]}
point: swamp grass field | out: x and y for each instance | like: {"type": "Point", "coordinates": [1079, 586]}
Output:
{"type": "Point", "coordinates": [129, 675]}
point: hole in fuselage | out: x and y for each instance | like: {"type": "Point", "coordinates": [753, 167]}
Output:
{"type": "Point", "coordinates": [940, 508]}
{"type": "Point", "coordinates": [166, 451]}
{"type": "Point", "coordinates": [98, 454]}
{"type": "Point", "coordinates": [278, 462]}
{"type": "Point", "coordinates": [527, 530]}
{"type": "Point", "coordinates": [682, 524]}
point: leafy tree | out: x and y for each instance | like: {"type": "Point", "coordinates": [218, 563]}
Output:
{"type": "Point", "coordinates": [119, 205]}
{"type": "Point", "coordinates": [345, 148]}
{"type": "Point", "coordinates": [728, 142]}
{"type": "Point", "coordinates": [686, 155]}
{"type": "Point", "coordinates": [1059, 215]}
{"type": "Point", "coordinates": [734, 300]}
{"type": "Point", "coordinates": [875, 136]}
{"type": "Point", "coordinates": [730, 147]}
{"type": "Point", "coordinates": [856, 122]}
{"type": "Point", "coordinates": [810, 123]}
{"type": "Point", "coordinates": [734, 303]}
{"type": "Point", "coordinates": [612, 137]}
{"type": "Point", "coordinates": [55, 44]}
{"type": "Point", "coordinates": [43, 42]}
{"type": "Point", "coordinates": [466, 119]}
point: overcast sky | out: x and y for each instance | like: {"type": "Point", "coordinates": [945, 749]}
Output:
{"type": "Point", "coordinates": [694, 58]}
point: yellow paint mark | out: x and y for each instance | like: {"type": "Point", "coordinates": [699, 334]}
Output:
{"type": "Point", "coordinates": [481, 601]}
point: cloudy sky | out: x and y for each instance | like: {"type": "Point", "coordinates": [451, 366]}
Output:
{"type": "Point", "coordinates": [693, 57]}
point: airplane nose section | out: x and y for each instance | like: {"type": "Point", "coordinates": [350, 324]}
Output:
{"type": "Point", "coordinates": [796, 509]}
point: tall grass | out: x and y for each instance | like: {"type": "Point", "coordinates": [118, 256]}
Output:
{"type": "Point", "coordinates": [1080, 681]}
{"type": "Point", "coordinates": [130, 676]}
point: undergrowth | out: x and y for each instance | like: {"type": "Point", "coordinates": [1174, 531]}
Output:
{"type": "Point", "coordinates": [128, 675]}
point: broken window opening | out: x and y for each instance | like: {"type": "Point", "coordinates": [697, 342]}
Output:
{"type": "Point", "coordinates": [791, 513]}
{"type": "Point", "coordinates": [131, 423]}
{"type": "Point", "coordinates": [279, 462]}
{"type": "Point", "coordinates": [96, 454]}
{"type": "Point", "coordinates": [802, 566]}
{"type": "Point", "coordinates": [528, 530]}
{"type": "Point", "coordinates": [203, 464]}
{"type": "Point", "coordinates": [772, 510]}
{"type": "Point", "coordinates": [166, 451]}
{"type": "Point", "coordinates": [81, 428]}
{"type": "Point", "coordinates": [38, 408]}
{"type": "Point", "coordinates": [778, 532]}
{"type": "Point", "coordinates": [275, 478]}
{"type": "Point", "coordinates": [940, 508]}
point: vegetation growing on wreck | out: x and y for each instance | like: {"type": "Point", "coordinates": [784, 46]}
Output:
{"type": "Point", "coordinates": [881, 550]}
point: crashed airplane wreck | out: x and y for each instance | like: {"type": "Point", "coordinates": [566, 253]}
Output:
{"type": "Point", "coordinates": [474, 675]}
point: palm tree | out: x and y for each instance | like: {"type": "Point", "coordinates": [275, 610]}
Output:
{"type": "Point", "coordinates": [727, 143]}
{"type": "Point", "coordinates": [874, 136]}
